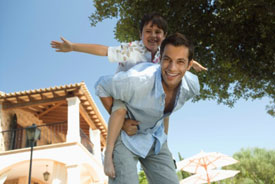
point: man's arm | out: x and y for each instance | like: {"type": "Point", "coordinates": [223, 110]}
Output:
{"type": "Point", "coordinates": [67, 46]}
{"type": "Point", "coordinates": [118, 86]}
{"type": "Point", "coordinates": [198, 67]}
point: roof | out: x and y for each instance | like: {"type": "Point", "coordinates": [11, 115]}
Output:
{"type": "Point", "coordinates": [42, 101]}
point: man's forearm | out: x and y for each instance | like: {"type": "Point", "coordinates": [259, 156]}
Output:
{"type": "Point", "coordinates": [95, 49]}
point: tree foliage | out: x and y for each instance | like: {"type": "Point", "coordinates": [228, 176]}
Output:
{"type": "Point", "coordinates": [256, 166]}
{"type": "Point", "coordinates": [142, 177]}
{"type": "Point", "coordinates": [234, 39]}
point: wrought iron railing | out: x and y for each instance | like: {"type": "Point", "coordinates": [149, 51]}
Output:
{"type": "Point", "coordinates": [85, 141]}
{"type": "Point", "coordinates": [51, 133]}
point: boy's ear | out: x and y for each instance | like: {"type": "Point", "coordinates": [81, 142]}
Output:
{"type": "Point", "coordinates": [140, 35]}
{"type": "Point", "coordinates": [190, 64]}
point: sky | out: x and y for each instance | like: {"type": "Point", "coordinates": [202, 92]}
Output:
{"type": "Point", "coordinates": [27, 61]}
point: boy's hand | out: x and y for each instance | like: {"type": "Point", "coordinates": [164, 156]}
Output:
{"type": "Point", "coordinates": [130, 127]}
{"type": "Point", "coordinates": [109, 168]}
{"type": "Point", "coordinates": [198, 67]}
{"type": "Point", "coordinates": [64, 46]}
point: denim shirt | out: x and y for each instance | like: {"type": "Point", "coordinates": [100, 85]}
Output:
{"type": "Point", "coordinates": [140, 88]}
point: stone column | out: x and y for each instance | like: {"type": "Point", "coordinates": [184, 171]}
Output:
{"type": "Point", "coordinates": [3, 178]}
{"type": "Point", "coordinates": [22, 180]}
{"type": "Point", "coordinates": [58, 174]}
{"type": "Point", "coordinates": [95, 139]}
{"type": "Point", "coordinates": [73, 174]}
{"type": "Point", "coordinates": [73, 133]}
{"type": "Point", "coordinates": [2, 146]}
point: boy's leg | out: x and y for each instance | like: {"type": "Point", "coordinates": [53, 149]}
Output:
{"type": "Point", "coordinates": [107, 102]}
{"type": "Point", "coordinates": [160, 168]}
{"type": "Point", "coordinates": [125, 165]}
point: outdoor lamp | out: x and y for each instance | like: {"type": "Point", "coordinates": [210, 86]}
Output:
{"type": "Point", "coordinates": [46, 174]}
{"type": "Point", "coordinates": [33, 132]}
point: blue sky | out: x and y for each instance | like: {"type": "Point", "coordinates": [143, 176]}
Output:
{"type": "Point", "coordinates": [28, 62]}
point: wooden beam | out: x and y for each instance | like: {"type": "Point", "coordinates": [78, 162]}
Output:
{"type": "Point", "coordinates": [35, 102]}
{"type": "Point", "coordinates": [86, 117]}
{"type": "Point", "coordinates": [51, 108]}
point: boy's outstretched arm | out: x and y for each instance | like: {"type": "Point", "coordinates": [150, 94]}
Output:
{"type": "Point", "coordinates": [67, 46]}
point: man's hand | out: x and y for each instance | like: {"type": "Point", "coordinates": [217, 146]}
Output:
{"type": "Point", "coordinates": [64, 46]}
{"type": "Point", "coordinates": [198, 67]}
{"type": "Point", "coordinates": [130, 127]}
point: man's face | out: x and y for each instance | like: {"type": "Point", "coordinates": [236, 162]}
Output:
{"type": "Point", "coordinates": [174, 64]}
{"type": "Point", "coordinates": [152, 36]}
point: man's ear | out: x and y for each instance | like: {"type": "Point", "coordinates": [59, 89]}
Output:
{"type": "Point", "coordinates": [140, 35]}
{"type": "Point", "coordinates": [190, 64]}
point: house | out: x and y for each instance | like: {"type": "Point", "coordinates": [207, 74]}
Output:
{"type": "Point", "coordinates": [71, 140]}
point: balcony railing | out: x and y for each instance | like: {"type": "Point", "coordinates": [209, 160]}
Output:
{"type": "Point", "coordinates": [51, 133]}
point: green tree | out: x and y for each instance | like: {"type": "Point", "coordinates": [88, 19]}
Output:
{"type": "Point", "coordinates": [182, 174]}
{"type": "Point", "coordinates": [142, 177]}
{"type": "Point", "coordinates": [233, 38]}
{"type": "Point", "coordinates": [256, 166]}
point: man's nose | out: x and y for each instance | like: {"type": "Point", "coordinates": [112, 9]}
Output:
{"type": "Point", "coordinates": [172, 66]}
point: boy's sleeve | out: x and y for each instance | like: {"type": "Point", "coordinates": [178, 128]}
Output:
{"type": "Point", "coordinates": [128, 52]}
{"type": "Point", "coordinates": [118, 53]}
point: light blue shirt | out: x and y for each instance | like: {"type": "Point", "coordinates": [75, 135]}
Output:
{"type": "Point", "coordinates": [140, 88]}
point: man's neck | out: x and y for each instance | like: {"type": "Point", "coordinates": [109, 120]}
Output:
{"type": "Point", "coordinates": [170, 97]}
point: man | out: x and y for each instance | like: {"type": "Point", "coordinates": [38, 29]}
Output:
{"type": "Point", "coordinates": [150, 93]}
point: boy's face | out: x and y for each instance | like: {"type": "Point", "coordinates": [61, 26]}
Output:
{"type": "Point", "coordinates": [174, 64]}
{"type": "Point", "coordinates": [152, 36]}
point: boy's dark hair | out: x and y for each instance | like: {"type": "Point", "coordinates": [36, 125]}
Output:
{"type": "Point", "coordinates": [156, 20]}
{"type": "Point", "coordinates": [176, 40]}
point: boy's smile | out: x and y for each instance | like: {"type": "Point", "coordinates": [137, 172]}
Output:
{"type": "Point", "coordinates": [152, 36]}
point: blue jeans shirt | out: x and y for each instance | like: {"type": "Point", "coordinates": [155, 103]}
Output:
{"type": "Point", "coordinates": [140, 88]}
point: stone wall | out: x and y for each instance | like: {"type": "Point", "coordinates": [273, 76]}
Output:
{"type": "Point", "coordinates": [24, 119]}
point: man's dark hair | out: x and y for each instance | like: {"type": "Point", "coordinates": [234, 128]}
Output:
{"type": "Point", "coordinates": [156, 19]}
{"type": "Point", "coordinates": [176, 40]}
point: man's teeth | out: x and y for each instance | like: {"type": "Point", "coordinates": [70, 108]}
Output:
{"type": "Point", "coordinates": [171, 74]}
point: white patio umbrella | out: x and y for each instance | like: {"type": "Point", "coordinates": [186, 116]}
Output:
{"type": "Point", "coordinates": [209, 176]}
{"type": "Point", "coordinates": [205, 161]}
